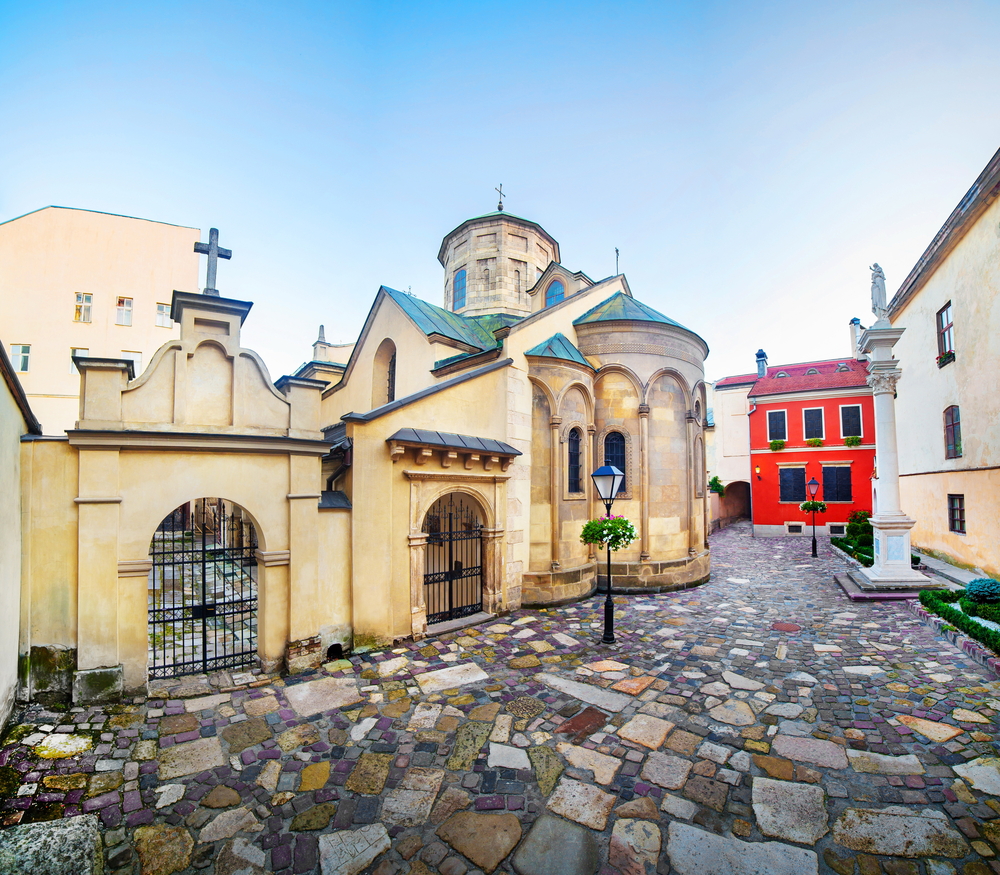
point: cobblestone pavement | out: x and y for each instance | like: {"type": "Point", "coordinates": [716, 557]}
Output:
{"type": "Point", "coordinates": [761, 723]}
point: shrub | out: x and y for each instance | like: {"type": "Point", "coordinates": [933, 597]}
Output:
{"type": "Point", "coordinates": [865, 540]}
{"type": "Point", "coordinates": [814, 442]}
{"type": "Point", "coordinates": [852, 441]}
{"type": "Point", "coordinates": [858, 526]}
{"type": "Point", "coordinates": [777, 445]}
{"type": "Point", "coordinates": [859, 516]}
{"type": "Point", "coordinates": [941, 603]}
{"type": "Point", "coordinates": [715, 485]}
{"type": "Point", "coordinates": [983, 589]}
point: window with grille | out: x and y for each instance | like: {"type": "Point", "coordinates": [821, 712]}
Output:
{"type": "Point", "coordinates": [850, 421]}
{"type": "Point", "coordinates": [77, 352]}
{"type": "Point", "coordinates": [956, 513]}
{"type": "Point", "coordinates": [554, 293]}
{"type": "Point", "coordinates": [791, 484]}
{"type": "Point", "coordinates": [812, 423]}
{"type": "Point", "coordinates": [123, 314]}
{"type": "Point", "coordinates": [614, 454]}
{"type": "Point", "coordinates": [163, 319]}
{"type": "Point", "coordinates": [390, 389]}
{"type": "Point", "coordinates": [20, 355]}
{"type": "Point", "coordinates": [81, 313]}
{"type": "Point", "coordinates": [837, 483]}
{"type": "Point", "coordinates": [776, 426]}
{"type": "Point", "coordinates": [945, 330]}
{"type": "Point", "coordinates": [952, 433]}
{"type": "Point", "coordinates": [573, 462]}
{"type": "Point", "coordinates": [458, 291]}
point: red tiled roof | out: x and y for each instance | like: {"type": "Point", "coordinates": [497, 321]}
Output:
{"type": "Point", "coordinates": [797, 380]}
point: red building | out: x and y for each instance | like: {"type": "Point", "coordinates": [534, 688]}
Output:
{"type": "Point", "coordinates": [803, 419]}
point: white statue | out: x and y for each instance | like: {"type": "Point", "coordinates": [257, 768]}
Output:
{"type": "Point", "coordinates": [878, 292]}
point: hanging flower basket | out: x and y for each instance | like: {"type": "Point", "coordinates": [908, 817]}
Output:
{"type": "Point", "coordinates": [813, 506]}
{"type": "Point", "coordinates": [614, 532]}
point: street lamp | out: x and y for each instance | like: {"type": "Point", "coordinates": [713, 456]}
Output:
{"type": "Point", "coordinates": [607, 479]}
{"type": "Point", "coordinates": [813, 487]}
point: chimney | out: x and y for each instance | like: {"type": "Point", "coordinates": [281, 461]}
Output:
{"type": "Point", "coordinates": [761, 363]}
{"type": "Point", "coordinates": [856, 328]}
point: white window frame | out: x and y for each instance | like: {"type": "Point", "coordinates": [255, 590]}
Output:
{"type": "Point", "coordinates": [135, 357]}
{"type": "Point", "coordinates": [861, 419]}
{"type": "Point", "coordinates": [767, 422]}
{"type": "Point", "coordinates": [79, 352]}
{"type": "Point", "coordinates": [822, 437]}
{"type": "Point", "coordinates": [16, 358]}
{"type": "Point", "coordinates": [164, 315]}
{"type": "Point", "coordinates": [85, 306]}
{"type": "Point", "coordinates": [123, 311]}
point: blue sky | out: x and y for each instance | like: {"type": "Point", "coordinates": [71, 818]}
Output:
{"type": "Point", "coordinates": [750, 160]}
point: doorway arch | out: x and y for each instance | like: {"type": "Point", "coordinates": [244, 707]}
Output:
{"type": "Point", "coordinates": [202, 595]}
{"type": "Point", "coordinates": [453, 560]}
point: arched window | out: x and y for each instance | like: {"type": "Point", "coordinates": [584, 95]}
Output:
{"type": "Point", "coordinates": [384, 374]}
{"type": "Point", "coordinates": [517, 281]}
{"type": "Point", "coordinates": [811, 371]}
{"type": "Point", "coordinates": [391, 380]}
{"type": "Point", "coordinates": [554, 293]}
{"type": "Point", "coordinates": [952, 433]}
{"type": "Point", "coordinates": [573, 461]}
{"type": "Point", "coordinates": [614, 454]}
{"type": "Point", "coordinates": [458, 291]}
{"type": "Point", "coordinates": [486, 277]}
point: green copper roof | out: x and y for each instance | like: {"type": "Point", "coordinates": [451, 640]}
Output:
{"type": "Point", "coordinates": [621, 308]}
{"type": "Point", "coordinates": [437, 320]}
{"type": "Point", "coordinates": [492, 321]}
{"type": "Point", "coordinates": [558, 346]}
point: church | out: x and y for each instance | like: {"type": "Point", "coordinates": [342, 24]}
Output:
{"type": "Point", "coordinates": [437, 471]}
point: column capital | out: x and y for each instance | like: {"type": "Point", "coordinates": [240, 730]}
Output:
{"type": "Point", "coordinates": [555, 421]}
{"type": "Point", "coordinates": [883, 382]}
{"type": "Point", "coordinates": [643, 410]}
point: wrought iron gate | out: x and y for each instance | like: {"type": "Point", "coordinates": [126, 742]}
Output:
{"type": "Point", "coordinates": [453, 565]}
{"type": "Point", "coordinates": [202, 590]}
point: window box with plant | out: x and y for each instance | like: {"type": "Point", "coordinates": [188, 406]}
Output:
{"type": "Point", "coordinates": [814, 442]}
{"type": "Point", "coordinates": [776, 445]}
{"type": "Point", "coordinates": [715, 485]}
{"type": "Point", "coordinates": [852, 441]}
{"type": "Point", "coordinates": [946, 358]}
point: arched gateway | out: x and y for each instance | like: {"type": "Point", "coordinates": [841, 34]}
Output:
{"type": "Point", "coordinates": [453, 570]}
{"type": "Point", "coordinates": [203, 590]}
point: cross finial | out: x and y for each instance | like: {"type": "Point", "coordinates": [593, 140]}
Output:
{"type": "Point", "coordinates": [214, 252]}
{"type": "Point", "coordinates": [500, 205]}
{"type": "Point", "coordinates": [616, 261]}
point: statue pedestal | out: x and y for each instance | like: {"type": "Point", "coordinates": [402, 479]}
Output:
{"type": "Point", "coordinates": [892, 569]}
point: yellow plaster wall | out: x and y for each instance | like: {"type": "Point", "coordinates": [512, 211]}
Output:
{"type": "Point", "coordinates": [46, 257]}
{"type": "Point", "coordinates": [970, 278]}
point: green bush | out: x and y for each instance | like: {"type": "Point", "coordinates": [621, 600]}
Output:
{"type": "Point", "coordinates": [814, 442]}
{"type": "Point", "coordinates": [777, 445]}
{"type": "Point", "coordinates": [983, 589]}
{"type": "Point", "coordinates": [865, 540]}
{"type": "Point", "coordinates": [942, 604]}
{"type": "Point", "coordinates": [852, 441]}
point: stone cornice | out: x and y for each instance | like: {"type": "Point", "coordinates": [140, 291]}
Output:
{"type": "Point", "coordinates": [195, 442]}
{"type": "Point", "coordinates": [459, 475]}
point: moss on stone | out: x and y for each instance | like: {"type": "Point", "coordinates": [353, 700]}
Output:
{"type": "Point", "coordinates": [9, 781]}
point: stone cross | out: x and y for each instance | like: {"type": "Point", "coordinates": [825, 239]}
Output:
{"type": "Point", "coordinates": [214, 252]}
{"type": "Point", "coordinates": [500, 205]}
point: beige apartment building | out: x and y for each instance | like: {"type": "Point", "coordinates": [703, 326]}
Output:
{"type": "Point", "coordinates": [83, 283]}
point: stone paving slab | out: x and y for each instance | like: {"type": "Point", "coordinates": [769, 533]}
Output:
{"type": "Point", "coordinates": [314, 697]}
{"type": "Point", "coordinates": [695, 851]}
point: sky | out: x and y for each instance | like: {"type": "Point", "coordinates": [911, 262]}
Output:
{"type": "Point", "coordinates": [749, 160]}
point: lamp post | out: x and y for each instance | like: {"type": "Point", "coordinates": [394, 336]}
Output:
{"type": "Point", "coordinates": [813, 487]}
{"type": "Point", "coordinates": [607, 479]}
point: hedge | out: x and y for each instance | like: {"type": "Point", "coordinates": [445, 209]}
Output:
{"type": "Point", "coordinates": [942, 604]}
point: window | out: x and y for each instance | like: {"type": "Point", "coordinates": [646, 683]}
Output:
{"type": "Point", "coordinates": [554, 293]}
{"type": "Point", "coordinates": [956, 514]}
{"type": "Point", "coordinates": [517, 281]}
{"type": "Point", "coordinates": [573, 467]}
{"type": "Point", "coordinates": [842, 368]}
{"type": "Point", "coordinates": [390, 389]}
{"type": "Point", "coordinates": [163, 319]}
{"type": "Point", "coordinates": [794, 529]}
{"type": "Point", "coordinates": [811, 371]}
{"type": "Point", "coordinates": [850, 420]}
{"type": "Point", "coordinates": [124, 314]}
{"type": "Point", "coordinates": [76, 352]}
{"type": "Point", "coordinates": [134, 357]}
{"type": "Point", "coordinates": [458, 291]}
{"type": "Point", "coordinates": [837, 483]}
{"type": "Point", "coordinates": [81, 312]}
{"type": "Point", "coordinates": [812, 423]}
{"type": "Point", "coordinates": [836, 530]}
{"type": "Point", "coordinates": [486, 277]}
{"type": "Point", "coordinates": [776, 430]}
{"type": "Point", "coordinates": [792, 484]}
{"type": "Point", "coordinates": [614, 454]}
{"type": "Point", "coordinates": [781, 374]}
{"type": "Point", "coordinates": [20, 353]}
{"type": "Point", "coordinates": [945, 330]}
{"type": "Point", "coordinates": [952, 433]}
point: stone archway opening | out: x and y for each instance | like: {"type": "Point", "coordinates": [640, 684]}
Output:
{"type": "Point", "coordinates": [202, 593]}
{"type": "Point", "coordinates": [453, 562]}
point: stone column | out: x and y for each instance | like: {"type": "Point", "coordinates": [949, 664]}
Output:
{"type": "Point", "coordinates": [644, 482]}
{"type": "Point", "coordinates": [492, 560]}
{"type": "Point", "coordinates": [690, 426]}
{"type": "Point", "coordinates": [891, 526]}
{"type": "Point", "coordinates": [554, 490]}
{"type": "Point", "coordinates": [418, 607]}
